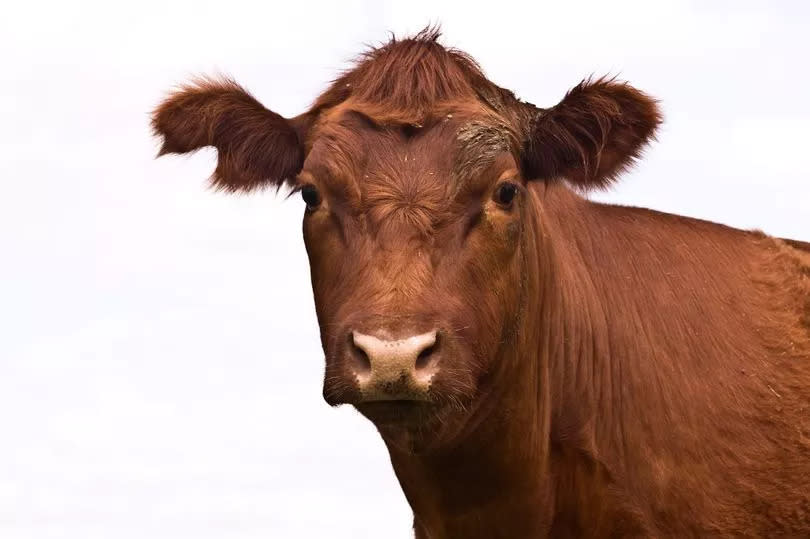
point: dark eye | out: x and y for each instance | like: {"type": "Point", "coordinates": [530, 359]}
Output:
{"type": "Point", "coordinates": [311, 196]}
{"type": "Point", "coordinates": [505, 193]}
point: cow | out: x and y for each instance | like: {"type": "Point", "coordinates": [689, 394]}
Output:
{"type": "Point", "coordinates": [538, 364]}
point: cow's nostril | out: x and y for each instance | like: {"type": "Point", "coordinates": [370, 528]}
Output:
{"type": "Point", "coordinates": [360, 362]}
{"type": "Point", "coordinates": [427, 356]}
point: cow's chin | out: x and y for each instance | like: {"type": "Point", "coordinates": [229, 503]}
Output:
{"type": "Point", "coordinates": [416, 427]}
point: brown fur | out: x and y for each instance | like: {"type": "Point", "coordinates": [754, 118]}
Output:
{"type": "Point", "coordinates": [604, 371]}
{"type": "Point", "coordinates": [599, 129]}
{"type": "Point", "coordinates": [256, 146]}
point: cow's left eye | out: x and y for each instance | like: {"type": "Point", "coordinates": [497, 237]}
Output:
{"type": "Point", "coordinates": [505, 193]}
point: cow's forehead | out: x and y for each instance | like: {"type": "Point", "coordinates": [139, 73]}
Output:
{"type": "Point", "coordinates": [447, 155]}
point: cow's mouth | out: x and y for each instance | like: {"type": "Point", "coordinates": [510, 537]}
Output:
{"type": "Point", "coordinates": [397, 412]}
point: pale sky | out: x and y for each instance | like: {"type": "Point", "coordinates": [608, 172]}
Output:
{"type": "Point", "coordinates": [160, 371]}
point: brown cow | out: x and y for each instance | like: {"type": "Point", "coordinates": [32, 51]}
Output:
{"type": "Point", "coordinates": [537, 364]}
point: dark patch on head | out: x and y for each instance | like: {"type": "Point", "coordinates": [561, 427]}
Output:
{"type": "Point", "coordinates": [479, 143]}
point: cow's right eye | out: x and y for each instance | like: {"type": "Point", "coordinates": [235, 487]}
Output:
{"type": "Point", "coordinates": [311, 196]}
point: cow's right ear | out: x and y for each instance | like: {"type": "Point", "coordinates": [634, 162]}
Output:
{"type": "Point", "coordinates": [256, 147]}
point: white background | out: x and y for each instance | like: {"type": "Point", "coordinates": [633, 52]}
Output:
{"type": "Point", "coordinates": [160, 373]}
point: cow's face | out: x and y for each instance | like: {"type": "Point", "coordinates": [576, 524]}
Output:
{"type": "Point", "coordinates": [414, 237]}
{"type": "Point", "coordinates": [414, 168]}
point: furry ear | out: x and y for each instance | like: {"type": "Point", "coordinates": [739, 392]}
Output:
{"type": "Point", "coordinates": [597, 131]}
{"type": "Point", "coordinates": [256, 147]}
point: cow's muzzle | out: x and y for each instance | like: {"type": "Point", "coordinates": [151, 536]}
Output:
{"type": "Point", "coordinates": [393, 369]}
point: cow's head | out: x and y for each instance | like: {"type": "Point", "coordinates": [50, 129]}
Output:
{"type": "Point", "coordinates": [415, 172]}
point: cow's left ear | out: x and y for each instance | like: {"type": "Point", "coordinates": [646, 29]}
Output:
{"type": "Point", "coordinates": [592, 135]}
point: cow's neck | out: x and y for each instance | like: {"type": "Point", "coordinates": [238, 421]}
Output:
{"type": "Point", "coordinates": [491, 480]}
{"type": "Point", "coordinates": [576, 350]}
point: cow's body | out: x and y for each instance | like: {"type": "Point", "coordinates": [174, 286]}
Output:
{"type": "Point", "coordinates": [537, 364]}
